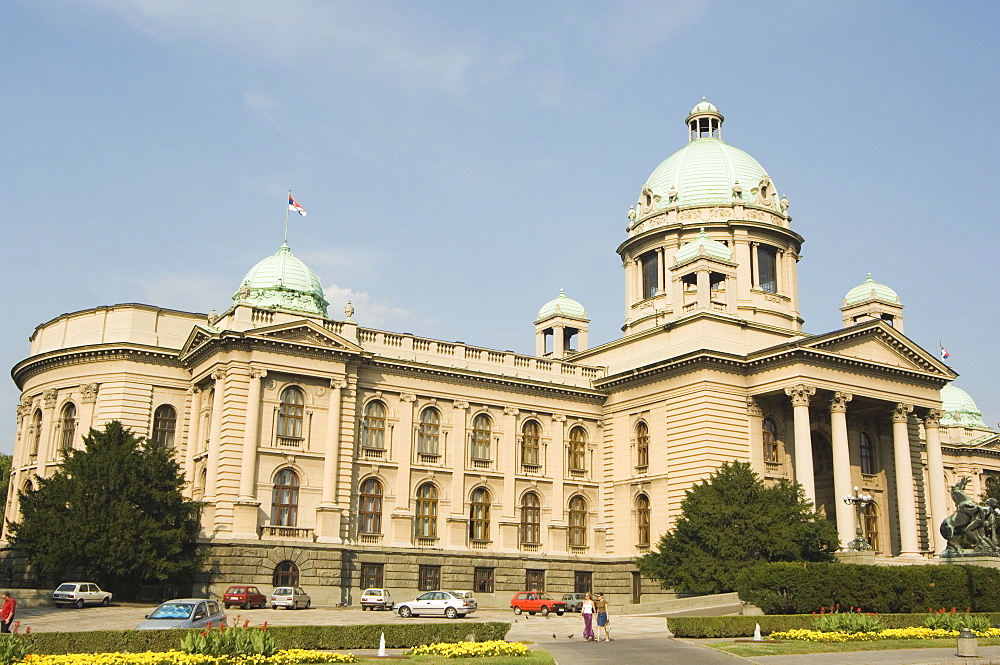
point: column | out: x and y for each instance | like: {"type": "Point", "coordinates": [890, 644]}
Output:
{"type": "Point", "coordinates": [627, 267]}
{"type": "Point", "coordinates": [754, 265]}
{"type": "Point", "coordinates": [88, 401]}
{"type": "Point", "coordinates": [800, 395]}
{"type": "Point", "coordinates": [405, 450]}
{"type": "Point", "coordinates": [558, 341]}
{"type": "Point", "coordinates": [50, 425]}
{"type": "Point", "coordinates": [248, 464]}
{"type": "Point", "coordinates": [755, 419]}
{"type": "Point", "coordinates": [507, 458]}
{"type": "Point", "coordinates": [842, 485]}
{"type": "Point", "coordinates": [193, 436]}
{"type": "Point", "coordinates": [704, 290]}
{"type": "Point", "coordinates": [906, 504]}
{"type": "Point", "coordinates": [215, 435]}
{"type": "Point", "coordinates": [452, 535]}
{"type": "Point", "coordinates": [660, 267]}
{"type": "Point", "coordinates": [556, 466]}
{"type": "Point", "coordinates": [938, 507]}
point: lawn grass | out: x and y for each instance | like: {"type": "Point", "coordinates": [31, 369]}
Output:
{"type": "Point", "coordinates": [792, 647]}
{"type": "Point", "coordinates": [533, 658]}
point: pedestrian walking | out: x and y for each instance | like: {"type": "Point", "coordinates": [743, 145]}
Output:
{"type": "Point", "coordinates": [603, 622]}
{"type": "Point", "coordinates": [587, 612]}
{"type": "Point", "coordinates": [7, 611]}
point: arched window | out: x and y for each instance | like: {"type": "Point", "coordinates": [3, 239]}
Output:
{"type": "Point", "coordinates": [285, 498]}
{"type": "Point", "coordinates": [578, 449]}
{"type": "Point", "coordinates": [577, 522]}
{"type": "Point", "coordinates": [290, 414]}
{"type": "Point", "coordinates": [769, 432]}
{"type": "Point", "coordinates": [867, 454]}
{"type": "Point", "coordinates": [642, 445]}
{"type": "Point", "coordinates": [67, 422]}
{"type": "Point", "coordinates": [531, 433]}
{"type": "Point", "coordinates": [642, 520]}
{"type": "Point", "coordinates": [531, 519]}
{"type": "Point", "coordinates": [164, 425]}
{"type": "Point", "coordinates": [27, 487]}
{"type": "Point", "coordinates": [373, 425]}
{"type": "Point", "coordinates": [482, 430]}
{"type": "Point", "coordinates": [427, 504]}
{"type": "Point", "coordinates": [286, 573]}
{"type": "Point", "coordinates": [479, 515]}
{"type": "Point", "coordinates": [429, 431]}
{"type": "Point", "coordinates": [36, 431]}
{"type": "Point", "coordinates": [870, 518]}
{"type": "Point", "coordinates": [370, 508]}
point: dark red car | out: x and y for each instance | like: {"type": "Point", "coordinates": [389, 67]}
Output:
{"type": "Point", "coordinates": [536, 601]}
{"type": "Point", "coordinates": [244, 596]}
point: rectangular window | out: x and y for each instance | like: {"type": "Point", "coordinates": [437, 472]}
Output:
{"type": "Point", "coordinates": [650, 268]}
{"type": "Point", "coordinates": [583, 581]}
{"type": "Point", "coordinates": [482, 580]}
{"type": "Point", "coordinates": [371, 575]}
{"type": "Point", "coordinates": [767, 268]}
{"type": "Point", "coordinates": [429, 578]}
{"type": "Point", "coordinates": [534, 580]}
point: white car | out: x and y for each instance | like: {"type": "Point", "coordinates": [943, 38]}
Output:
{"type": "Point", "coordinates": [376, 598]}
{"type": "Point", "coordinates": [79, 594]}
{"type": "Point", "coordinates": [291, 597]}
{"type": "Point", "coordinates": [437, 602]}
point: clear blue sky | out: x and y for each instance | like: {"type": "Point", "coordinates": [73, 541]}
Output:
{"type": "Point", "coordinates": [463, 161]}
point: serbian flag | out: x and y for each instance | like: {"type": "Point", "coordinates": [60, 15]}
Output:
{"type": "Point", "coordinates": [294, 205]}
{"type": "Point", "coordinates": [944, 354]}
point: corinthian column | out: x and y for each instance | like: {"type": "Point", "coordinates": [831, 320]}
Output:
{"type": "Point", "coordinates": [248, 465]}
{"type": "Point", "coordinates": [841, 465]}
{"type": "Point", "coordinates": [215, 436]}
{"type": "Point", "coordinates": [935, 475]}
{"type": "Point", "coordinates": [800, 395]}
{"type": "Point", "coordinates": [906, 504]}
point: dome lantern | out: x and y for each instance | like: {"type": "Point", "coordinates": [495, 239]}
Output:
{"type": "Point", "coordinates": [282, 281]}
{"type": "Point", "coordinates": [704, 122]}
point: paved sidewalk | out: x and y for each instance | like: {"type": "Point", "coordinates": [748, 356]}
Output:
{"type": "Point", "coordinates": [948, 656]}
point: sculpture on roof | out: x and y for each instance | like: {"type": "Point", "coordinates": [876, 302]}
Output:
{"type": "Point", "coordinates": [968, 524]}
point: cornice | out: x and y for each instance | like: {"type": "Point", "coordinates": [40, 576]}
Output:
{"type": "Point", "coordinates": [717, 223]}
{"type": "Point", "coordinates": [97, 352]}
{"type": "Point", "coordinates": [229, 341]}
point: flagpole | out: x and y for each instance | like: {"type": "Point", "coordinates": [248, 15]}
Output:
{"type": "Point", "coordinates": [287, 206]}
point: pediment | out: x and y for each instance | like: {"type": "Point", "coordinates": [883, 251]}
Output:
{"type": "Point", "coordinates": [306, 333]}
{"type": "Point", "coordinates": [879, 344]}
{"type": "Point", "coordinates": [198, 337]}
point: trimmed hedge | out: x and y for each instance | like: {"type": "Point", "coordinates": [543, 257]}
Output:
{"type": "Point", "coordinates": [397, 636]}
{"type": "Point", "coordinates": [803, 588]}
{"type": "Point", "coordinates": [743, 626]}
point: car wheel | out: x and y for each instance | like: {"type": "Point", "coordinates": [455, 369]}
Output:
{"type": "Point", "coordinates": [545, 611]}
{"type": "Point", "coordinates": [405, 612]}
{"type": "Point", "coordinates": [274, 607]}
{"type": "Point", "coordinates": [308, 604]}
{"type": "Point", "coordinates": [517, 610]}
{"type": "Point", "coordinates": [364, 607]}
{"type": "Point", "coordinates": [79, 603]}
{"type": "Point", "coordinates": [559, 613]}
{"type": "Point", "coordinates": [106, 601]}
{"type": "Point", "coordinates": [245, 606]}
{"type": "Point", "coordinates": [451, 612]}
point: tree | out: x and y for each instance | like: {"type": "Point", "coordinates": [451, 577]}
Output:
{"type": "Point", "coordinates": [5, 465]}
{"type": "Point", "coordinates": [733, 520]}
{"type": "Point", "coordinates": [113, 514]}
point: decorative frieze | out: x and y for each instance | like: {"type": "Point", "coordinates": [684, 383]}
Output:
{"type": "Point", "coordinates": [88, 393]}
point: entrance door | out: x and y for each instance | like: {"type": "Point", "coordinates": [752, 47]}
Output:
{"type": "Point", "coordinates": [636, 587]}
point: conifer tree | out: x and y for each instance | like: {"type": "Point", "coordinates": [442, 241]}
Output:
{"type": "Point", "coordinates": [733, 520]}
{"type": "Point", "coordinates": [113, 514]}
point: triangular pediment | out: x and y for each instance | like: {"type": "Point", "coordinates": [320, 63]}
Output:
{"type": "Point", "coordinates": [198, 337]}
{"type": "Point", "coordinates": [306, 333]}
{"type": "Point", "coordinates": [879, 344]}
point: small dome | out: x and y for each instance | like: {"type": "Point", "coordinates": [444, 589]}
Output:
{"type": "Point", "coordinates": [704, 108]}
{"type": "Point", "coordinates": [870, 290]}
{"type": "Point", "coordinates": [703, 245]}
{"type": "Point", "coordinates": [960, 409]}
{"type": "Point", "coordinates": [562, 305]}
{"type": "Point", "coordinates": [283, 281]}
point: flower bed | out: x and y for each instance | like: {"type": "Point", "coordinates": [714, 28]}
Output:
{"type": "Point", "coordinates": [916, 633]}
{"type": "Point", "coordinates": [286, 657]}
{"type": "Point", "coordinates": [472, 649]}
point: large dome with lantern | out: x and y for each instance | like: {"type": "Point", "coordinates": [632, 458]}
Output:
{"type": "Point", "coordinates": [283, 281]}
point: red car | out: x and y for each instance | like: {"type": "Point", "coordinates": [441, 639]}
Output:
{"type": "Point", "coordinates": [244, 596]}
{"type": "Point", "coordinates": [536, 601]}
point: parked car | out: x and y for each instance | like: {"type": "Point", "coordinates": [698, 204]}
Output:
{"type": "Point", "coordinates": [574, 601]}
{"type": "Point", "coordinates": [536, 601]}
{"type": "Point", "coordinates": [376, 598]}
{"type": "Point", "coordinates": [437, 602]}
{"type": "Point", "coordinates": [79, 594]}
{"type": "Point", "coordinates": [184, 613]}
{"type": "Point", "coordinates": [290, 597]}
{"type": "Point", "coordinates": [244, 597]}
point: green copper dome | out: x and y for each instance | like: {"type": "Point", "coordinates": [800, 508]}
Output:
{"type": "Point", "coordinates": [703, 246]}
{"type": "Point", "coordinates": [960, 409]}
{"type": "Point", "coordinates": [283, 282]}
{"type": "Point", "coordinates": [870, 290]}
{"type": "Point", "coordinates": [563, 306]}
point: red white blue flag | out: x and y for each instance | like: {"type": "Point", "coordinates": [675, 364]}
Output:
{"type": "Point", "coordinates": [944, 353]}
{"type": "Point", "coordinates": [294, 205]}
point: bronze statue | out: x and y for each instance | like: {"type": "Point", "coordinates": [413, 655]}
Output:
{"type": "Point", "coordinates": [970, 521]}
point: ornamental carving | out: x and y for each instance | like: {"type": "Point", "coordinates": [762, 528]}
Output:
{"type": "Point", "coordinates": [754, 214]}
{"type": "Point", "coordinates": [218, 374]}
{"type": "Point", "coordinates": [800, 394]}
{"type": "Point", "coordinates": [461, 404]}
{"type": "Point", "coordinates": [88, 393]}
{"type": "Point", "coordinates": [647, 201]}
{"type": "Point", "coordinates": [50, 397]}
{"type": "Point", "coordinates": [510, 411]}
{"type": "Point", "coordinates": [407, 397]}
{"type": "Point", "coordinates": [773, 298]}
{"type": "Point", "coordinates": [933, 418]}
{"type": "Point", "coordinates": [257, 373]}
{"type": "Point", "coordinates": [338, 384]}
{"type": "Point", "coordinates": [764, 193]}
{"type": "Point", "coordinates": [557, 418]}
{"type": "Point", "coordinates": [753, 408]}
{"type": "Point", "coordinates": [839, 402]}
{"type": "Point", "coordinates": [901, 412]}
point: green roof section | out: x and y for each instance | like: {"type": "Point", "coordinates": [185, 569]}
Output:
{"type": "Point", "coordinates": [703, 246]}
{"type": "Point", "coordinates": [562, 305]}
{"type": "Point", "coordinates": [870, 290]}
{"type": "Point", "coordinates": [283, 281]}
{"type": "Point", "coordinates": [960, 409]}
{"type": "Point", "coordinates": [704, 107]}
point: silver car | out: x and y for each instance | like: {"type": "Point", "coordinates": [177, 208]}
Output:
{"type": "Point", "coordinates": [291, 597]}
{"type": "Point", "coordinates": [184, 613]}
{"type": "Point", "coordinates": [437, 602]}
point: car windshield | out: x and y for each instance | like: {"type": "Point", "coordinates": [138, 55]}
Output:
{"type": "Point", "coordinates": [284, 591]}
{"type": "Point", "coordinates": [544, 596]}
{"type": "Point", "coordinates": [236, 589]}
{"type": "Point", "coordinates": [66, 587]}
{"type": "Point", "coordinates": [172, 611]}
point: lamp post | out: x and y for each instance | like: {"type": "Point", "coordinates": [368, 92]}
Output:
{"type": "Point", "coordinates": [859, 501]}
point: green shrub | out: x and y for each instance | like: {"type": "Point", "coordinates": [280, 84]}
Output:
{"type": "Point", "coordinates": [230, 642]}
{"type": "Point", "coordinates": [743, 626]}
{"type": "Point", "coordinates": [847, 622]}
{"type": "Point", "coordinates": [953, 621]}
{"type": "Point", "coordinates": [13, 649]}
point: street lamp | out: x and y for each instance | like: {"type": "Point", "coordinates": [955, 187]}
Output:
{"type": "Point", "coordinates": [859, 501]}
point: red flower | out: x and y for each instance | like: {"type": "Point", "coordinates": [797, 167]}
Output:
{"type": "Point", "coordinates": [209, 625]}
{"type": "Point", "coordinates": [246, 623]}
{"type": "Point", "coordinates": [264, 627]}
{"type": "Point", "coordinates": [952, 611]}
{"type": "Point", "coordinates": [204, 632]}
{"type": "Point", "coordinates": [27, 629]}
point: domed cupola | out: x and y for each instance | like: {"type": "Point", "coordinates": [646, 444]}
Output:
{"type": "Point", "coordinates": [561, 327]}
{"type": "Point", "coordinates": [872, 301]}
{"type": "Point", "coordinates": [283, 281]}
{"type": "Point", "coordinates": [960, 409]}
{"type": "Point", "coordinates": [703, 246]}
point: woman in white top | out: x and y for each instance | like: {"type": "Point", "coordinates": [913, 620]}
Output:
{"type": "Point", "coordinates": [587, 610]}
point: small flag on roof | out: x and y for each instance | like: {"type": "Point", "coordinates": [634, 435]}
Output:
{"type": "Point", "coordinates": [294, 205]}
{"type": "Point", "coordinates": [944, 353]}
